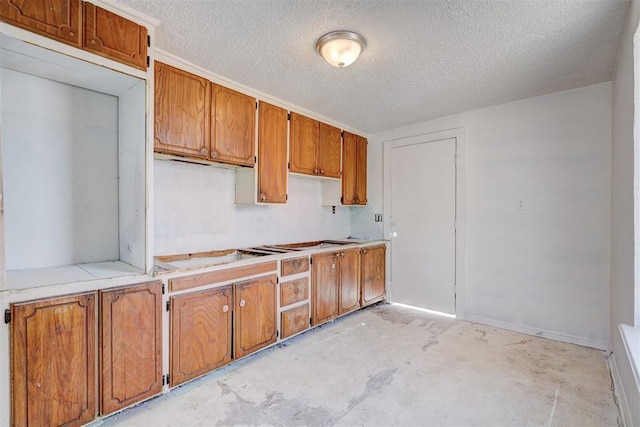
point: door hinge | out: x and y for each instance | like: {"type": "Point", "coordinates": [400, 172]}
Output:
{"type": "Point", "coordinates": [169, 305]}
{"type": "Point", "coordinates": [7, 316]}
{"type": "Point", "coordinates": [288, 116]}
{"type": "Point", "coordinates": [148, 41]}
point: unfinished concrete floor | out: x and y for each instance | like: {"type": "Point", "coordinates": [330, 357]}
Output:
{"type": "Point", "coordinates": [387, 365]}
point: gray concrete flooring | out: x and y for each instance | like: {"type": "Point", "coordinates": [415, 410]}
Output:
{"type": "Point", "coordinates": [387, 365]}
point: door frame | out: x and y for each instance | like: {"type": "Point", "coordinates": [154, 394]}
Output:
{"type": "Point", "coordinates": [458, 135]}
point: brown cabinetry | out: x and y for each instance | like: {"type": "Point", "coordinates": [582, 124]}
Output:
{"type": "Point", "coordinates": [372, 261]}
{"type": "Point", "coordinates": [255, 315]}
{"type": "Point", "coordinates": [354, 170]}
{"type": "Point", "coordinates": [233, 127]}
{"type": "Point", "coordinates": [272, 154]}
{"type": "Point", "coordinates": [53, 361]}
{"type": "Point", "coordinates": [201, 331]}
{"type": "Point", "coordinates": [314, 147]}
{"type": "Point", "coordinates": [114, 37]}
{"type": "Point", "coordinates": [56, 19]}
{"type": "Point", "coordinates": [295, 320]}
{"type": "Point", "coordinates": [131, 345]}
{"type": "Point", "coordinates": [335, 284]}
{"type": "Point", "coordinates": [182, 105]}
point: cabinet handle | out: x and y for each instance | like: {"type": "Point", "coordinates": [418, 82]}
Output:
{"type": "Point", "coordinates": [364, 251]}
{"type": "Point", "coordinates": [225, 308]}
{"type": "Point", "coordinates": [342, 254]}
{"type": "Point", "coordinates": [242, 303]}
{"type": "Point", "coordinates": [214, 154]}
{"type": "Point", "coordinates": [321, 171]}
{"type": "Point", "coordinates": [333, 266]}
{"type": "Point", "coordinates": [203, 150]}
{"type": "Point", "coordinates": [263, 197]}
{"type": "Point", "coordinates": [295, 291]}
{"type": "Point", "coordinates": [315, 171]}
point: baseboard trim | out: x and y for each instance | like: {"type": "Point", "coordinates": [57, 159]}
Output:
{"type": "Point", "coordinates": [557, 336]}
{"type": "Point", "coordinates": [618, 392]}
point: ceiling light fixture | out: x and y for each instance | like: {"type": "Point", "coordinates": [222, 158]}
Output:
{"type": "Point", "coordinates": [341, 48]}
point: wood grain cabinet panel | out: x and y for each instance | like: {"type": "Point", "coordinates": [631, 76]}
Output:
{"type": "Point", "coordinates": [272, 154]}
{"type": "Point", "coordinates": [372, 261]}
{"type": "Point", "coordinates": [303, 145]}
{"type": "Point", "coordinates": [200, 333]}
{"type": "Point", "coordinates": [56, 19]}
{"type": "Point", "coordinates": [329, 151]}
{"type": "Point", "coordinates": [114, 37]}
{"type": "Point", "coordinates": [354, 169]}
{"type": "Point", "coordinates": [255, 315]}
{"type": "Point", "coordinates": [294, 291]}
{"type": "Point", "coordinates": [294, 266]}
{"type": "Point", "coordinates": [131, 344]}
{"type": "Point", "coordinates": [295, 320]}
{"type": "Point", "coordinates": [182, 109]}
{"type": "Point", "coordinates": [234, 124]}
{"type": "Point", "coordinates": [53, 369]}
{"type": "Point", "coordinates": [324, 284]}
{"type": "Point", "coordinates": [349, 281]}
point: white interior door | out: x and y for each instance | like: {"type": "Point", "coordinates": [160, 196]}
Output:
{"type": "Point", "coordinates": [422, 224]}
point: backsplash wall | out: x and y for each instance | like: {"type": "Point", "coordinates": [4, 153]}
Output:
{"type": "Point", "coordinates": [194, 211]}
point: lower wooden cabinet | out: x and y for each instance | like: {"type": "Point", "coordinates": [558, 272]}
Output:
{"type": "Point", "coordinates": [131, 345]}
{"type": "Point", "coordinates": [294, 320]}
{"type": "Point", "coordinates": [201, 328]}
{"type": "Point", "coordinates": [335, 284]}
{"type": "Point", "coordinates": [372, 261]}
{"type": "Point", "coordinates": [53, 361]}
{"type": "Point", "coordinates": [255, 315]}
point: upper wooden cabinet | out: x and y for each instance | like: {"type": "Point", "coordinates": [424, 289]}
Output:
{"type": "Point", "coordinates": [182, 105]}
{"type": "Point", "coordinates": [354, 170]}
{"type": "Point", "coordinates": [200, 333]}
{"type": "Point", "coordinates": [131, 345]}
{"type": "Point", "coordinates": [314, 147]}
{"type": "Point", "coordinates": [57, 19]}
{"type": "Point", "coordinates": [53, 361]}
{"type": "Point", "coordinates": [114, 37]}
{"type": "Point", "coordinates": [272, 154]}
{"type": "Point", "coordinates": [234, 121]}
{"type": "Point", "coordinates": [255, 315]}
{"type": "Point", "coordinates": [372, 261]}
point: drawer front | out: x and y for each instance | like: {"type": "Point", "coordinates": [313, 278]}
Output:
{"type": "Point", "coordinates": [212, 277]}
{"type": "Point", "coordinates": [294, 291]}
{"type": "Point", "coordinates": [294, 266]}
{"type": "Point", "coordinates": [295, 320]}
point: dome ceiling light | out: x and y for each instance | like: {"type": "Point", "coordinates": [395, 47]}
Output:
{"type": "Point", "coordinates": [341, 48]}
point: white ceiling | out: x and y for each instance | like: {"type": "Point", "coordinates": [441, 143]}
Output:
{"type": "Point", "coordinates": [425, 59]}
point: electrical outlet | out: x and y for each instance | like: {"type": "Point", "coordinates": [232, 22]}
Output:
{"type": "Point", "coordinates": [521, 204]}
{"type": "Point", "coordinates": [378, 217]}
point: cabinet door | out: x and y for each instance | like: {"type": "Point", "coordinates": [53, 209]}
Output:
{"type": "Point", "coordinates": [349, 168]}
{"type": "Point", "coordinates": [233, 127]}
{"type": "Point", "coordinates": [329, 151]}
{"type": "Point", "coordinates": [373, 274]}
{"type": "Point", "coordinates": [272, 154]}
{"type": "Point", "coordinates": [255, 317]}
{"type": "Point", "coordinates": [56, 19]}
{"type": "Point", "coordinates": [131, 344]}
{"type": "Point", "coordinates": [114, 37]}
{"type": "Point", "coordinates": [303, 145]}
{"type": "Point", "coordinates": [182, 103]}
{"type": "Point", "coordinates": [349, 281]}
{"type": "Point", "coordinates": [200, 333]}
{"type": "Point", "coordinates": [324, 283]}
{"type": "Point", "coordinates": [361, 171]}
{"type": "Point", "coordinates": [53, 361]}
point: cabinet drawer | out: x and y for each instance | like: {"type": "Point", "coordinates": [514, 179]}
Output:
{"type": "Point", "coordinates": [294, 291]}
{"type": "Point", "coordinates": [295, 320]}
{"type": "Point", "coordinates": [294, 266]}
{"type": "Point", "coordinates": [193, 281]}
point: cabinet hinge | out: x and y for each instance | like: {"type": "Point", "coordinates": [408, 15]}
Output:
{"type": "Point", "coordinates": [165, 379]}
{"type": "Point", "coordinates": [256, 105]}
{"type": "Point", "coordinates": [288, 116]}
{"type": "Point", "coordinates": [163, 290]}
{"type": "Point", "coordinates": [288, 165]}
{"type": "Point", "coordinates": [311, 260]}
{"type": "Point", "coordinates": [277, 280]}
{"type": "Point", "coordinates": [169, 305]}
{"type": "Point", "coordinates": [342, 134]}
{"type": "Point", "coordinates": [277, 333]}
{"type": "Point", "coordinates": [342, 200]}
{"type": "Point", "coordinates": [255, 159]}
{"type": "Point", "coordinates": [286, 197]}
{"type": "Point", "coordinates": [148, 41]}
{"type": "Point", "coordinates": [148, 62]}
{"type": "Point", "coordinates": [310, 321]}
{"type": "Point", "coordinates": [7, 316]}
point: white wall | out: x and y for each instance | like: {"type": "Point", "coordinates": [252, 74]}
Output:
{"type": "Point", "coordinates": [194, 211]}
{"type": "Point", "coordinates": [60, 167]}
{"type": "Point", "coordinates": [624, 150]}
{"type": "Point", "coordinates": [545, 269]}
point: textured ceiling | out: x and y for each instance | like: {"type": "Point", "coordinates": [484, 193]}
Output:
{"type": "Point", "coordinates": [424, 59]}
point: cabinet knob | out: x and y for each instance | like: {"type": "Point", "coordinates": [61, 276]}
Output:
{"type": "Point", "coordinates": [263, 197]}
{"type": "Point", "coordinates": [333, 266]}
{"type": "Point", "coordinates": [342, 254]}
{"type": "Point", "coordinates": [225, 308]}
{"type": "Point", "coordinates": [242, 303]}
{"type": "Point", "coordinates": [315, 171]}
{"type": "Point", "coordinates": [203, 150]}
{"type": "Point", "coordinates": [214, 154]}
{"type": "Point", "coordinates": [364, 251]}
{"type": "Point", "coordinates": [321, 171]}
